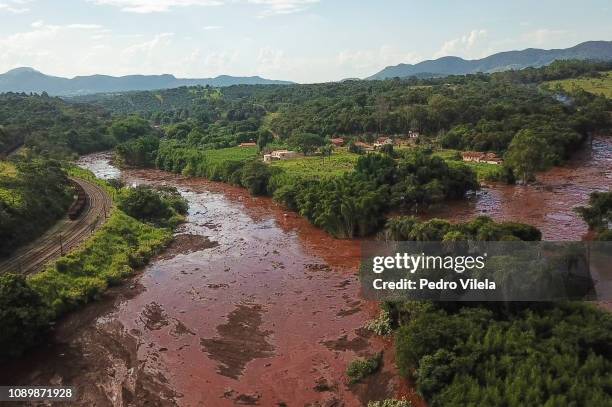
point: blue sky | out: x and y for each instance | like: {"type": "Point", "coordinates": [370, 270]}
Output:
{"type": "Point", "coordinates": [299, 40]}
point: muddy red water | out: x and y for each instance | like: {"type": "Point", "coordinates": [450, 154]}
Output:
{"type": "Point", "coordinates": [547, 204]}
{"type": "Point", "coordinates": [250, 305]}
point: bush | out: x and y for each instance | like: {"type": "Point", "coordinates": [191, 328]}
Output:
{"type": "Point", "coordinates": [255, 177]}
{"type": "Point", "coordinates": [359, 369]}
{"type": "Point", "coordinates": [598, 215]}
{"type": "Point", "coordinates": [159, 207]}
{"type": "Point", "coordinates": [23, 316]}
{"type": "Point", "coordinates": [381, 325]}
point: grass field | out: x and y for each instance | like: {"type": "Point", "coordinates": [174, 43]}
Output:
{"type": "Point", "coordinates": [232, 153]}
{"type": "Point", "coordinates": [340, 162]}
{"type": "Point", "coordinates": [599, 86]}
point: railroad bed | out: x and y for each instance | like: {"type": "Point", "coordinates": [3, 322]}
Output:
{"type": "Point", "coordinates": [88, 213]}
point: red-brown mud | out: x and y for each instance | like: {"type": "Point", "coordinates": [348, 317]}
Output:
{"type": "Point", "coordinates": [547, 204]}
{"type": "Point", "coordinates": [242, 309]}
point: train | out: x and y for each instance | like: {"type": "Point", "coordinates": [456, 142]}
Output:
{"type": "Point", "coordinates": [79, 204]}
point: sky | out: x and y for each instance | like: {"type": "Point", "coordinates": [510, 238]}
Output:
{"type": "Point", "coordinates": [300, 40]}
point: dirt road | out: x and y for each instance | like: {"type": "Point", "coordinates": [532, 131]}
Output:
{"type": "Point", "coordinates": [64, 236]}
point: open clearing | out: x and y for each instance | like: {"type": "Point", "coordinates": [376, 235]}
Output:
{"type": "Point", "coordinates": [598, 86]}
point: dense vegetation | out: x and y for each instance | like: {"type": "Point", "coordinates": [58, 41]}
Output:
{"type": "Point", "coordinates": [30, 189]}
{"type": "Point", "coordinates": [482, 228]}
{"type": "Point", "coordinates": [120, 246]}
{"type": "Point", "coordinates": [519, 354]}
{"type": "Point", "coordinates": [598, 214]}
{"type": "Point", "coordinates": [51, 127]}
{"type": "Point", "coordinates": [344, 202]}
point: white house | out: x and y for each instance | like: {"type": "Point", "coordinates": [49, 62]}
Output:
{"type": "Point", "coordinates": [280, 155]}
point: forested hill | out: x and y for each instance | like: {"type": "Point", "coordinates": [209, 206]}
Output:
{"type": "Point", "coordinates": [30, 80]}
{"type": "Point", "coordinates": [51, 127]}
{"type": "Point", "coordinates": [531, 57]}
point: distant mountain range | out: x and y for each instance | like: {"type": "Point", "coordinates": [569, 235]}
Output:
{"type": "Point", "coordinates": [503, 61]}
{"type": "Point", "coordinates": [30, 80]}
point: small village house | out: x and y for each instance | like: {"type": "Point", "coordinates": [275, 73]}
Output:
{"type": "Point", "coordinates": [364, 146]}
{"type": "Point", "coordinates": [480, 157]}
{"type": "Point", "coordinates": [337, 141]}
{"type": "Point", "coordinates": [382, 141]}
{"type": "Point", "coordinates": [280, 155]}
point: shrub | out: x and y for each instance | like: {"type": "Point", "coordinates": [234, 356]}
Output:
{"type": "Point", "coordinates": [255, 177]}
{"type": "Point", "coordinates": [159, 207]}
{"type": "Point", "coordinates": [381, 325]}
{"type": "Point", "coordinates": [359, 369]}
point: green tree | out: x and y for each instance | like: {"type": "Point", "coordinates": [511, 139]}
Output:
{"type": "Point", "coordinates": [159, 207]}
{"type": "Point", "coordinates": [255, 177]}
{"type": "Point", "coordinates": [129, 128]}
{"type": "Point", "coordinates": [307, 143]}
{"type": "Point", "coordinates": [528, 153]}
{"type": "Point", "coordinates": [23, 316]}
{"type": "Point", "coordinates": [263, 139]}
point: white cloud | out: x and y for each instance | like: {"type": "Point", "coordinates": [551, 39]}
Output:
{"type": "Point", "coordinates": [279, 7]}
{"type": "Point", "coordinates": [145, 51]}
{"type": "Point", "coordinates": [46, 45]}
{"type": "Point", "coordinates": [155, 6]}
{"type": "Point", "coordinates": [14, 6]}
{"type": "Point", "coordinates": [544, 37]}
{"type": "Point", "coordinates": [366, 62]}
{"type": "Point", "coordinates": [468, 45]}
{"type": "Point", "coordinates": [270, 7]}
{"type": "Point", "coordinates": [211, 27]}
{"type": "Point", "coordinates": [270, 59]}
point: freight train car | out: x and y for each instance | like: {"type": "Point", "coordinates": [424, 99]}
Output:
{"type": "Point", "coordinates": [79, 204]}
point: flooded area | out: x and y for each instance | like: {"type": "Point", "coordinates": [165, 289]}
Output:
{"type": "Point", "coordinates": [251, 305]}
{"type": "Point", "coordinates": [549, 203]}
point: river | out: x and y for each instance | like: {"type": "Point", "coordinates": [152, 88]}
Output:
{"type": "Point", "coordinates": [252, 305]}
{"type": "Point", "coordinates": [249, 305]}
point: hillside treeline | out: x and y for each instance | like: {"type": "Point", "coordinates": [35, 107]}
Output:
{"type": "Point", "coordinates": [483, 112]}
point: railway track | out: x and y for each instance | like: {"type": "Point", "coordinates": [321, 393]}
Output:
{"type": "Point", "coordinates": [64, 236]}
